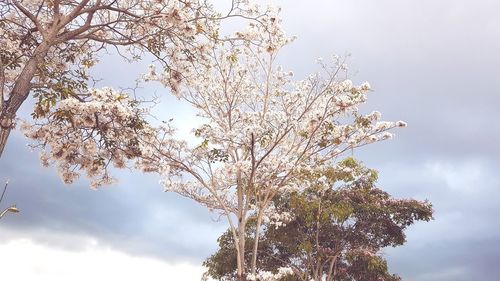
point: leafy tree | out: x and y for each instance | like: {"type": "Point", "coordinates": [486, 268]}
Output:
{"type": "Point", "coordinates": [334, 233]}
{"type": "Point", "coordinates": [47, 47]}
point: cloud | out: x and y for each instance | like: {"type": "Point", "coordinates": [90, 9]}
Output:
{"type": "Point", "coordinates": [134, 216]}
{"type": "Point", "coordinates": [462, 241]}
{"type": "Point", "coordinates": [27, 260]}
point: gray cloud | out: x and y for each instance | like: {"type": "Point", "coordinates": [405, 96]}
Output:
{"type": "Point", "coordinates": [135, 216]}
{"type": "Point", "coordinates": [463, 239]}
{"type": "Point", "coordinates": [434, 65]}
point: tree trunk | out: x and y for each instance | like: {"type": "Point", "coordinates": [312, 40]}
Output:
{"type": "Point", "coordinates": [256, 243]}
{"type": "Point", "coordinates": [4, 135]}
{"type": "Point", "coordinates": [19, 93]}
{"type": "Point", "coordinates": [241, 251]}
{"type": "Point", "coordinates": [318, 272]}
{"type": "Point", "coordinates": [241, 239]}
{"type": "Point", "coordinates": [332, 270]}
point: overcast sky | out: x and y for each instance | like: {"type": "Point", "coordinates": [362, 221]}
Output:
{"type": "Point", "coordinates": [434, 64]}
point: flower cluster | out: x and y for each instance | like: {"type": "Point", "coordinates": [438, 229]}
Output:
{"type": "Point", "coordinates": [88, 135]}
{"type": "Point", "coordinates": [277, 219]}
{"type": "Point", "coordinates": [269, 276]}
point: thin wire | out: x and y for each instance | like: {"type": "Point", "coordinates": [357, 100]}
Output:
{"type": "Point", "coordinates": [3, 193]}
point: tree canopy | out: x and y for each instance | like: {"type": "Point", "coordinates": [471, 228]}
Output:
{"type": "Point", "coordinates": [47, 47]}
{"type": "Point", "coordinates": [330, 234]}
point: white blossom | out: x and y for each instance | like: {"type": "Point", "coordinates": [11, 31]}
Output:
{"type": "Point", "coordinates": [88, 135]}
{"type": "Point", "coordinates": [269, 276]}
{"type": "Point", "coordinates": [401, 124]}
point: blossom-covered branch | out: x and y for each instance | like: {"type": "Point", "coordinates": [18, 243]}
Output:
{"type": "Point", "coordinates": [46, 47]}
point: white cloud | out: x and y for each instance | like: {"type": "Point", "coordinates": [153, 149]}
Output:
{"type": "Point", "coordinates": [460, 177]}
{"type": "Point", "coordinates": [23, 259]}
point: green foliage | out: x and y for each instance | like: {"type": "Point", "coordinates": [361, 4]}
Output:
{"type": "Point", "coordinates": [62, 85]}
{"type": "Point", "coordinates": [218, 155]}
{"type": "Point", "coordinates": [221, 265]}
{"type": "Point", "coordinates": [353, 222]}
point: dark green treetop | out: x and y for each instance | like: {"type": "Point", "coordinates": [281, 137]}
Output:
{"type": "Point", "coordinates": [335, 233]}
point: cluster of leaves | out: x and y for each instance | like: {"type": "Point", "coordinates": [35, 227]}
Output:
{"type": "Point", "coordinates": [335, 233]}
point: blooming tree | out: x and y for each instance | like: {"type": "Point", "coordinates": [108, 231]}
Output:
{"type": "Point", "coordinates": [46, 47]}
{"type": "Point", "coordinates": [261, 128]}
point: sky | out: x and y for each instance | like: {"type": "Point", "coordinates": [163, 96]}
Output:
{"type": "Point", "coordinates": [433, 64]}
